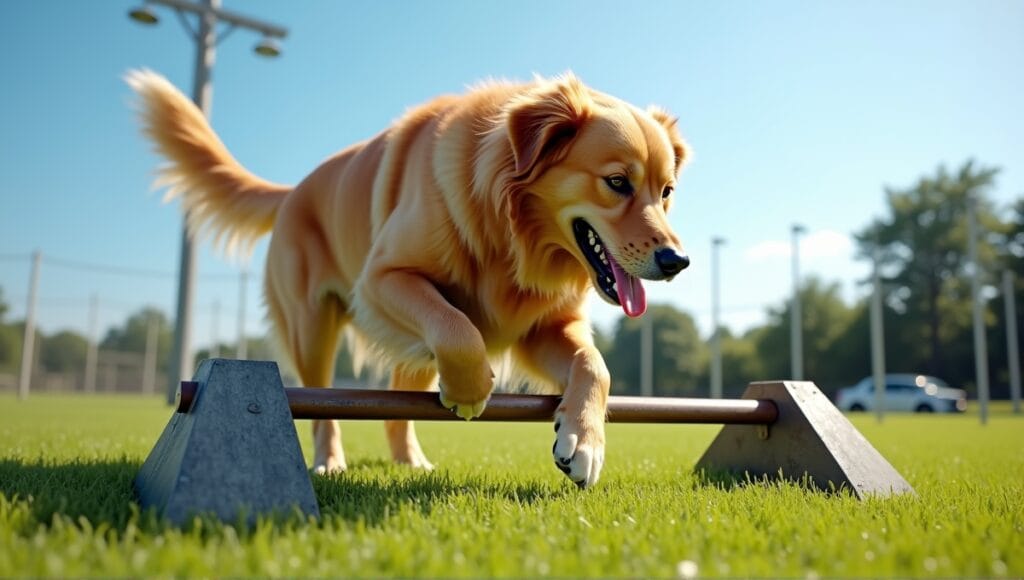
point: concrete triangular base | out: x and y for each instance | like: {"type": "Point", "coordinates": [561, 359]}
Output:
{"type": "Point", "coordinates": [811, 437]}
{"type": "Point", "coordinates": [234, 454]}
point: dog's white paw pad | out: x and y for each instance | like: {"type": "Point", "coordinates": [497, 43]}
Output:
{"type": "Point", "coordinates": [580, 462]}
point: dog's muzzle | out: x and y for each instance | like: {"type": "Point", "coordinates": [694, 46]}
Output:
{"type": "Point", "coordinates": [669, 262]}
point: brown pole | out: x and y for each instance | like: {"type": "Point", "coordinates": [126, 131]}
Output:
{"type": "Point", "coordinates": [317, 403]}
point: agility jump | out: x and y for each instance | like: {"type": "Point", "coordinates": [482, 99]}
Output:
{"type": "Point", "coordinates": [231, 447]}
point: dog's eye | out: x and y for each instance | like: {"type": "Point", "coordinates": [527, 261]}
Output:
{"type": "Point", "coordinates": [666, 192]}
{"type": "Point", "coordinates": [619, 184]}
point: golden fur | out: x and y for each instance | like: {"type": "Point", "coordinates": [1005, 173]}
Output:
{"type": "Point", "coordinates": [444, 241]}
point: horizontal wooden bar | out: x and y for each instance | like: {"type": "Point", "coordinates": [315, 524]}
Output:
{"type": "Point", "coordinates": [354, 404]}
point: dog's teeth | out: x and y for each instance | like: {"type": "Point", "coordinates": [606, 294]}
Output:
{"type": "Point", "coordinates": [597, 247]}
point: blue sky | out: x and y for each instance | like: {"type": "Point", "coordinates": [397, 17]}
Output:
{"type": "Point", "coordinates": [797, 112]}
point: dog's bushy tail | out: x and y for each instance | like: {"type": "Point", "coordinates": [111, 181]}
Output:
{"type": "Point", "coordinates": [220, 197]}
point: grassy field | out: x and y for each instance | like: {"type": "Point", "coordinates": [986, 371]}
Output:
{"type": "Point", "coordinates": [497, 506]}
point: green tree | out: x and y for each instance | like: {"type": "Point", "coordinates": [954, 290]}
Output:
{"type": "Point", "coordinates": [923, 255]}
{"type": "Point", "coordinates": [133, 335]}
{"type": "Point", "coordinates": [10, 348]}
{"type": "Point", "coordinates": [680, 355]}
{"type": "Point", "coordinates": [1011, 246]}
{"type": "Point", "coordinates": [741, 364]}
{"type": "Point", "coordinates": [64, 352]}
{"type": "Point", "coordinates": [10, 340]}
{"type": "Point", "coordinates": [826, 321]}
{"type": "Point", "coordinates": [225, 350]}
{"type": "Point", "coordinates": [1013, 241]}
{"type": "Point", "coordinates": [602, 341]}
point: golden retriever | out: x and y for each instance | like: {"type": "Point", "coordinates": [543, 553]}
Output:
{"type": "Point", "coordinates": [471, 227]}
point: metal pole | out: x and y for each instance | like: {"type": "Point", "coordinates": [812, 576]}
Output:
{"type": "Point", "coordinates": [92, 354]}
{"type": "Point", "coordinates": [202, 95]}
{"type": "Point", "coordinates": [233, 18]}
{"type": "Point", "coordinates": [646, 356]}
{"type": "Point", "coordinates": [29, 341]}
{"type": "Point", "coordinates": [208, 13]}
{"type": "Point", "coordinates": [877, 339]}
{"type": "Point", "coordinates": [242, 351]}
{"type": "Point", "coordinates": [1012, 348]}
{"type": "Point", "coordinates": [796, 319]}
{"type": "Point", "coordinates": [149, 362]}
{"type": "Point", "coordinates": [716, 333]}
{"type": "Point", "coordinates": [215, 330]}
{"type": "Point", "coordinates": [359, 404]}
{"type": "Point", "coordinates": [980, 348]}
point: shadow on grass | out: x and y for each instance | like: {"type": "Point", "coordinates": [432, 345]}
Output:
{"type": "Point", "coordinates": [101, 492]}
{"type": "Point", "coordinates": [360, 495]}
{"type": "Point", "coordinates": [730, 481]}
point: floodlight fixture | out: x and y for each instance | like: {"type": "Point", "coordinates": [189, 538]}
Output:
{"type": "Point", "coordinates": [203, 30]}
{"type": "Point", "coordinates": [143, 15]}
{"type": "Point", "coordinates": [267, 47]}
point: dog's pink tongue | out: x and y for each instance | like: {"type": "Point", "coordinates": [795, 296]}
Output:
{"type": "Point", "coordinates": [631, 291]}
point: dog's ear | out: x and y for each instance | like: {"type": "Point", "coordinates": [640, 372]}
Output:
{"type": "Point", "coordinates": [543, 122]}
{"type": "Point", "coordinates": [670, 123]}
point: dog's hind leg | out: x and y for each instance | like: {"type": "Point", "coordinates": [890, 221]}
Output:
{"type": "Point", "coordinates": [405, 448]}
{"type": "Point", "coordinates": [312, 333]}
{"type": "Point", "coordinates": [318, 349]}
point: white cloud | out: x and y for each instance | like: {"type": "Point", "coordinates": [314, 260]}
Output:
{"type": "Point", "coordinates": [819, 244]}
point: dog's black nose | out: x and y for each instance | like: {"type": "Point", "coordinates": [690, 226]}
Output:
{"type": "Point", "coordinates": [670, 262]}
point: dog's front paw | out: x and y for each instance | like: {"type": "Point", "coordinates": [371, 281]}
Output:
{"type": "Point", "coordinates": [578, 450]}
{"type": "Point", "coordinates": [465, 410]}
{"type": "Point", "coordinates": [465, 384]}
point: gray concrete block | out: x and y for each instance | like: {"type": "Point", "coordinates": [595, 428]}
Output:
{"type": "Point", "coordinates": [234, 454]}
{"type": "Point", "coordinates": [811, 437]}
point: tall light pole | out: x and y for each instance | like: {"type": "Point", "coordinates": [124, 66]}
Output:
{"type": "Point", "coordinates": [215, 330]}
{"type": "Point", "coordinates": [208, 13]}
{"type": "Point", "coordinates": [796, 342]}
{"type": "Point", "coordinates": [1012, 349]}
{"type": "Point", "coordinates": [28, 343]}
{"type": "Point", "coordinates": [92, 354]}
{"type": "Point", "coordinates": [877, 336]}
{"type": "Point", "coordinates": [980, 346]}
{"type": "Point", "coordinates": [242, 350]}
{"type": "Point", "coordinates": [716, 334]}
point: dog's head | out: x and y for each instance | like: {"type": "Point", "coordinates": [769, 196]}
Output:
{"type": "Point", "coordinates": [596, 177]}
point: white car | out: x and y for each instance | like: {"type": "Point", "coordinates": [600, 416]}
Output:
{"type": "Point", "coordinates": [904, 392]}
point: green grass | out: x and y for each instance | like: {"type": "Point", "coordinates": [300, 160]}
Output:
{"type": "Point", "coordinates": [497, 506]}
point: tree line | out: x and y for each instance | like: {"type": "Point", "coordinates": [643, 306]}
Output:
{"type": "Point", "coordinates": [922, 248]}
{"type": "Point", "coordinates": [926, 278]}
